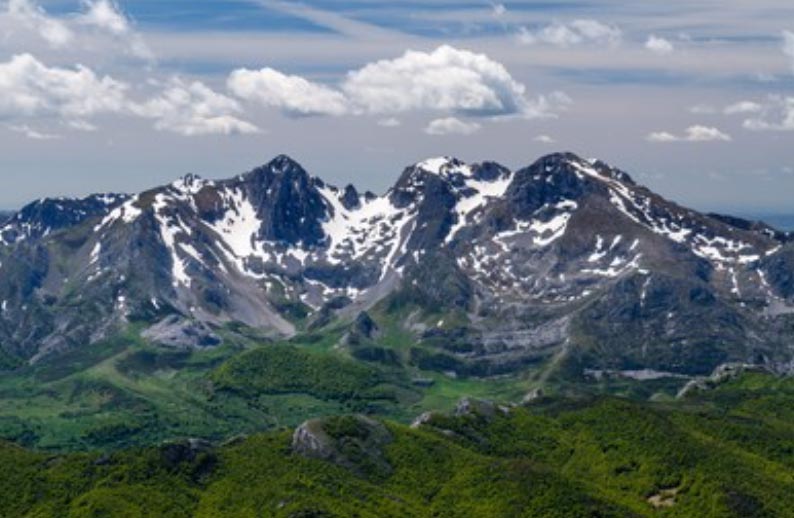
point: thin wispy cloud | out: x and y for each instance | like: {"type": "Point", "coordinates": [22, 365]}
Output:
{"type": "Point", "coordinates": [451, 126]}
{"type": "Point", "coordinates": [107, 16]}
{"type": "Point", "coordinates": [788, 46]}
{"type": "Point", "coordinates": [696, 133]}
{"type": "Point", "coordinates": [339, 23]}
{"type": "Point", "coordinates": [66, 32]}
{"type": "Point", "coordinates": [743, 107]}
{"type": "Point", "coordinates": [776, 114]}
{"type": "Point", "coordinates": [703, 109]}
{"type": "Point", "coordinates": [577, 32]}
{"type": "Point", "coordinates": [498, 10]}
{"type": "Point", "coordinates": [33, 133]}
{"type": "Point", "coordinates": [390, 122]}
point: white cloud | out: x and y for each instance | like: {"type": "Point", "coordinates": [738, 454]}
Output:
{"type": "Point", "coordinates": [81, 125]}
{"type": "Point", "coordinates": [549, 105]}
{"type": "Point", "coordinates": [545, 139]}
{"type": "Point", "coordinates": [292, 94]}
{"type": "Point", "coordinates": [99, 16]}
{"type": "Point", "coordinates": [498, 10]}
{"type": "Point", "coordinates": [703, 109]}
{"type": "Point", "coordinates": [32, 133]}
{"type": "Point", "coordinates": [55, 32]}
{"type": "Point", "coordinates": [788, 45]}
{"type": "Point", "coordinates": [107, 16]}
{"type": "Point", "coordinates": [389, 122]}
{"type": "Point", "coordinates": [743, 107]}
{"type": "Point", "coordinates": [577, 32]}
{"type": "Point", "coordinates": [659, 46]}
{"type": "Point", "coordinates": [695, 133]}
{"type": "Point", "coordinates": [451, 126]}
{"type": "Point", "coordinates": [192, 109]}
{"type": "Point", "coordinates": [705, 134]}
{"type": "Point", "coordinates": [446, 79]}
{"type": "Point", "coordinates": [31, 89]}
{"type": "Point", "coordinates": [776, 115]}
{"type": "Point", "coordinates": [662, 136]}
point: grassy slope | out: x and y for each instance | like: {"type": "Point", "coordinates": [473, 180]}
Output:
{"type": "Point", "coordinates": [727, 453]}
{"type": "Point", "coordinates": [124, 392]}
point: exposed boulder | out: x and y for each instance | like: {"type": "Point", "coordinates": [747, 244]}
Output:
{"type": "Point", "coordinates": [181, 333]}
{"type": "Point", "coordinates": [356, 443]}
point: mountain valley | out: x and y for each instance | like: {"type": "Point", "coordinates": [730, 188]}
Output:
{"type": "Point", "coordinates": [209, 308]}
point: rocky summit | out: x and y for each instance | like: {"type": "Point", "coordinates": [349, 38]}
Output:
{"type": "Point", "coordinates": [488, 270]}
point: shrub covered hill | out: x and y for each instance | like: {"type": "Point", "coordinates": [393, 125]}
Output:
{"type": "Point", "coordinates": [721, 451]}
{"type": "Point", "coordinates": [183, 351]}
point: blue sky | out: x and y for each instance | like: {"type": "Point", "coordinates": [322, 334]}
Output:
{"type": "Point", "coordinates": [694, 98]}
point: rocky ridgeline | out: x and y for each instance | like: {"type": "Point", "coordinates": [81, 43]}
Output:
{"type": "Point", "coordinates": [499, 269]}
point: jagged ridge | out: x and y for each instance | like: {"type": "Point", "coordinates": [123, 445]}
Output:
{"type": "Point", "coordinates": [562, 254]}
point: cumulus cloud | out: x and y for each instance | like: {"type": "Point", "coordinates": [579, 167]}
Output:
{"type": "Point", "coordinates": [292, 94]}
{"type": "Point", "coordinates": [451, 126]}
{"type": "Point", "coordinates": [458, 84]}
{"type": "Point", "coordinates": [55, 32]}
{"type": "Point", "coordinates": [777, 114]}
{"type": "Point", "coordinates": [788, 45]}
{"type": "Point", "coordinates": [743, 107]}
{"type": "Point", "coordinates": [105, 15]}
{"type": "Point", "coordinates": [446, 79]}
{"type": "Point", "coordinates": [695, 133]}
{"type": "Point", "coordinates": [192, 109]}
{"type": "Point", "coordinates": [451, 80]}
{"type": "Point", "coordinates": [73, 96]}
{"type": "Point", "coordinates": [577, 32]}
{"type": "Point", "coordinates": [31, 89]}
{"type": "Point", "coordinates": [659, 46]}
{"type": "Point", "coordinates": [544, 139]}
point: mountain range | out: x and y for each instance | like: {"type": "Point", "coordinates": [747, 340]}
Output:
{"type": "Point", "coordinates": [566, 264]}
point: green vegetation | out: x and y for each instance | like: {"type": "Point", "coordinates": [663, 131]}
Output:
{"type": "Point", "coordinates": [125, 392]}
{"type": "Point", "coordinates": [725, 452]}
{"type": "Point", "coordinates": [282, 369]}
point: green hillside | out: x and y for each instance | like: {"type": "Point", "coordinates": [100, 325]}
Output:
{"type": "Point", "coordinates": [725, 452]}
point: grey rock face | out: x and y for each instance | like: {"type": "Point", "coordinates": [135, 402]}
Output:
{"type": "Point", "coordinates": [563, 259]}
{"type": "Point", "coordinates": [175, 331]}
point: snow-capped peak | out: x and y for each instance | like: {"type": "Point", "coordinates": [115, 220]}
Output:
{"type": "Point", "coordinates": [189, 184]}
{"type": "Point", "coordinates": [444, 166]}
